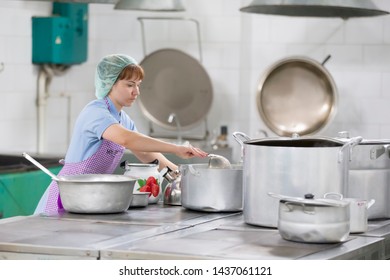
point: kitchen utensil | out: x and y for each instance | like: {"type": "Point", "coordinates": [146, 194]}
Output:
{"type": "Point", "coordinates": [296, 95]}
{"type": "Point", "coordinates": [292, 167]}
{"type": "Point", "coordinates": [172, 193]}
{"type": "Point", "coordinates": [358, 211]}
{"type": "Point", "coordinates": [92, 193]}
{"type": "Point", "coordinates": [149, 179]}
{"type": "Point", "coordinates": [211, 189]}
{"type": "Point", "coordinates": [313, 220]}
{"type": "Point", "coordinates": [40, 166]}
{"type": "Point", "coordinates": [140, 199]}
{"type": "Point", "coordinates": [217, 161]}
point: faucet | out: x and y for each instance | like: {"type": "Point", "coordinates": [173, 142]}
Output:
{"type": "Point", "coordinates": [173, 117]}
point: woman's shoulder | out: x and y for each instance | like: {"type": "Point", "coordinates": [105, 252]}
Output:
{"type": "Point", "coordinates": [96, 103]}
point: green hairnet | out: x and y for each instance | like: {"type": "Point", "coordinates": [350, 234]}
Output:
{"type": "Point", "coordinates": [108, 71]}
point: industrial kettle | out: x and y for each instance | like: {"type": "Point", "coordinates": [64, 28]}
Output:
{"type": "Point", "coordinates": [172, 193]}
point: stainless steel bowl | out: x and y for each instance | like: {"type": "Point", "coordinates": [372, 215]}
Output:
{"type": "Point", "coordinates": [96, 193]}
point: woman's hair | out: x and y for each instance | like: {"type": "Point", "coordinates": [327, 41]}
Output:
{"type": "Point", "coordinates": [132, 71]}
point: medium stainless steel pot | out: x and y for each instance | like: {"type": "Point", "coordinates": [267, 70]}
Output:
{"type": "Point", "coordinates": [313, 220]}
{"type": "Point", "coordinates": [210, 189]}
{"type": "Point", "coordinates": [369, 175]}
{"type": "Point", "coordinates": [291, 166]}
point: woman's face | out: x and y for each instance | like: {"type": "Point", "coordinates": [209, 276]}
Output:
{"type": "Point", "coordinates": [125, 92]}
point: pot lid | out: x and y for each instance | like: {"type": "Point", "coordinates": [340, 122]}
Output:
{"type": "Point", "coordinates": [150, 5]}
{"type": "Point", "coordinates": [296, 95]}
{"type": "Point", "coordinates": [177, 85]}
{"type": "Point", "coordinates": [309, 200]}
{"type": "Point", "coordinates": [125, 164]}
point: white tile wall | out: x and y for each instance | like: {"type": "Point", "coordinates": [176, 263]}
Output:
{"type": "Point", "coordinates": [237, 48]}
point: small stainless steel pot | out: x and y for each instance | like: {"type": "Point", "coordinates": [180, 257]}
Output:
{"type": "Point", "coordinates": [140, 199]}
{"type": "Point", "coordinates": [211, 190]}
{"type": "Point", "coordinates": [313, 220]}
{"type": "Point", "coordinates": [358, 211]}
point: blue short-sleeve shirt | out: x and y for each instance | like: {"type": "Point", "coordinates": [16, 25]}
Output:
{"type": "Point", "coordinates": [92, 121]}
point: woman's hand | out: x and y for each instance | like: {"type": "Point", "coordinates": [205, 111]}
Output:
{"type": "Point", "coordinates": [188, 151]}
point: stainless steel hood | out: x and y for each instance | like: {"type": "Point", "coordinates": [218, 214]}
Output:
{"type": "Point", "coordinates": [144, 5]}
{"type": "Point", "coordinates": [151, 5]}
{"type": "Point", "coordinates": [315, 8]}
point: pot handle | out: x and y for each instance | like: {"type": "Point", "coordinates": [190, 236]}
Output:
{"type": "Point", "coordinates": [370, 203]}
{"type": "Point", "coordinates": [193, 170]}
{"type": "Point", "coordinates": [350, 144]}
{"type": "Point", "coordinates": [338, 196]}
{"type": "Point", "coordinates": [310, 211]}
{"type": "Point", "coordinates": [376, 152]}
{"type": "Point", "coordinates": [239, 136]}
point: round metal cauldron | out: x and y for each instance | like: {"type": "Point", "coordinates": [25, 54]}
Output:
{"type": "Point", "coordinates": [297, 95]}
{"type": "Point", "coordinates": [292, 167]}
{"type": "Point", "coordinates": [210, 189]}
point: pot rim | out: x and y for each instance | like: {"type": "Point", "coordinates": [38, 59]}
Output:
{"type": "Point", "coordinates": [95, 178]}
{"type": "Point", "coordinates": [316, 202]}
{"type": "Point", "coordinates": [304, 141]}
{"type": "Point", "coordinates": [309, 200]}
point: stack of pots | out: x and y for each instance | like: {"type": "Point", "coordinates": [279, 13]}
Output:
{"type": "Point", "coordinates": [291, 167]}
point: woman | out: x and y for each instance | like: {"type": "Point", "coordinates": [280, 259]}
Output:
{"type": "Point", "coordinates": [103, 130]}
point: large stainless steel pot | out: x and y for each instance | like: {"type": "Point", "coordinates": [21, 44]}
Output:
{"type": "Point", "coordinates": [210, 189]}
{"type": "Point", "coordinates": [369, 175]}
{"type": "Point", "coordinates": [292, 167]}
{"type": "Point", "coordinates": [313, 220]}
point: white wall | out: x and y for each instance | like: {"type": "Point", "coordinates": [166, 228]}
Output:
{"type": "Point", "coordinates": [237, 49]}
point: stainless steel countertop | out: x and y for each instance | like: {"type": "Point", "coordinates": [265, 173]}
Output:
{"type": "Point", "coordinates": [171, 232]}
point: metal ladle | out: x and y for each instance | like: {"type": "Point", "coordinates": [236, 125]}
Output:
{"type": "Point", "coordinates": [217, 161]}
{"type": "Point", "coordinates": [40, 166]}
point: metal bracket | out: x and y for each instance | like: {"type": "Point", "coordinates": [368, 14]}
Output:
{"type": "Point", "coordinates": [142, 19]}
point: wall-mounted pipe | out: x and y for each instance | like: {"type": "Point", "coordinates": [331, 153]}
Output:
{"type": "Point", "coordinates": [45, 76]}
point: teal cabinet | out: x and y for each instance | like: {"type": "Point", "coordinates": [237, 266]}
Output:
{"type": "Point", "coordinates": [20, 192]}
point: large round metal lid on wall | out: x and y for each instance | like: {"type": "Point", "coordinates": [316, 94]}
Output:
{"type": "Point", "coordinates": [174, 83]}
{"type": "Point", "coordinates": [296, 95]}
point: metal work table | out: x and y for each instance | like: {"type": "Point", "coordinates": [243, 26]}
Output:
{"type": "Point", "coordinates": [171, 232]}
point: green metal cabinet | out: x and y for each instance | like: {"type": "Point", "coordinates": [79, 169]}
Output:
{"type": "Point", "coordinates": [20, 192]}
